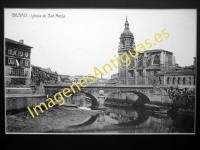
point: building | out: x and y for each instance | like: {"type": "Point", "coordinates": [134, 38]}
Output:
{"type": "Point", "coordinates": [43, 75]}
{"type": "Point", "coordinates": [17, 63]}
{"type": "Point", "coordinates": [146, 65]}
{"type": "Point", "coordinates": [115, 76]}
{"type": "Point", "coordinates": [181, 76]}
{"type": "Point", "coordinates": [77, 79]}
{"type": "Point", "coordinates": [48, 76]}
{"type": "Point", "coordinates": [101, 81]}
{"type": "Point", "coordinates": [36, 74]}
{"type": "Point", "coordinates": [64, 78]}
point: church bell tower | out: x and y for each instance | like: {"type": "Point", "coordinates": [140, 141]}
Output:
{"type": "Point", "coordinates": [126, 43]}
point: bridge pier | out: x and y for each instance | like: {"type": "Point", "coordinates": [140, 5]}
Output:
{"type": "Point", "coordinates": [101, 99]}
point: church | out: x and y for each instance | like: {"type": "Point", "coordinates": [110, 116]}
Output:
{"type": "Point", "coordinates": [151, 67]}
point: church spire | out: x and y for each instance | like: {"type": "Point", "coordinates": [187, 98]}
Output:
{"type": "Point", "coordinates": [126, 24]}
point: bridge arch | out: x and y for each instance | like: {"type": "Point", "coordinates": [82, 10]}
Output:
{"type": "Point", "coordinates": [94, 101]}
{"type": "Point", "coordinates": [142, 98]}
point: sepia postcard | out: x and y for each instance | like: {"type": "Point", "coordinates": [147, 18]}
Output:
{"type": "Point", "coordinates": [100, 71]}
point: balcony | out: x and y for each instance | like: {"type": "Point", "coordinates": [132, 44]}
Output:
{"type": "Point", "coordinates": [17, 72]}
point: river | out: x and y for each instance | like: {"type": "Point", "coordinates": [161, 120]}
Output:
{"type": "Point", "coordinates": [119, 119]}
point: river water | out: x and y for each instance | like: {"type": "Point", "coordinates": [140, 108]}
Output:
{"type": "Point", "coordinates": [118, 119]}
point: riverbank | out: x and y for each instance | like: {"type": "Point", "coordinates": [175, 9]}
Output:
{"type": "Point", "coordinates": [57, 117]}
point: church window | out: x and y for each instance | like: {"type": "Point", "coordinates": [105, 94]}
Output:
{"type": "Point", "coordinates": [168, 80]}
{"type": "Point", "coordinates": [189, 82]}
{"type": "Point", "coordinates": [123, 42]}
{"type": "Point", "coordinates": [184, 81]}
{"type": "Point", "coordinates": [173, 80]}
{"type": "Point", "coordinates": [179, 80]}
{"type": "Point", "coordinates": [140, 74]}
{"type": "Point", "coordinates": [156, 60]}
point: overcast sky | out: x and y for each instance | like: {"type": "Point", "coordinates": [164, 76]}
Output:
{"type": "Point", "coordinates": [90, 37]}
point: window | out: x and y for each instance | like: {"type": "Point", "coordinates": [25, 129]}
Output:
{"type": "Point", "coordinates": [140, 74]}
{"type": "Point", "coordinates": [132, 74]}
{"type": "Point", "coordinates": [26, 62]}
{"type": "Point", "coordinates": [179, 80]}
{"type": "Point", "coordinates": [10, 51]}
{"type": "Point", "coordinates": [11, 61]}
{"type": "Point", "coordinates": [168, 80]}
{"type": "Point", "coordinates": [156, 60]}
{"type": "Point", "coordinates": [173, 80]}
{"type": "Point", "coordinates": [21, 62]}
{"type": "Point", "coordinates": [26, 54]}
{"type": "Point", "coordinates": [149, 62]}
{"type": "Point", "coordinates": [14, 52]}
{"type": "Point", "coordinates": [17, 72]}
{"type": "Point", "coordinates": [189, 82]}
{"type": "Point", "coordinates": [20, 53]}
{"type": "Point", "coordinates": [184, 81]}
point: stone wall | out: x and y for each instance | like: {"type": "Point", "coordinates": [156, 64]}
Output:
{"type": "Point", "coordinates": [20, 102]}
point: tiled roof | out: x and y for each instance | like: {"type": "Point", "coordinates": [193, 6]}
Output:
{"type": "Point", "coordinates": [179, 72]}
{"type": "Point", "coordinates": [35, 66]}
{"type": "Point", "coordinates": [157, 50]}
{"type": "Point", "coordinates": [15, 42]}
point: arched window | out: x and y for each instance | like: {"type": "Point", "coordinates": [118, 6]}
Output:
{"type": "Point", "coordinates": [184, 81]}
{"type": "Point", "coordinates": [156, 60]}
{"type": "Point", "coordinates": [123, 42]}
{"type": "Point", "coordinates": [168, 79]}
{"type": "Point", "coordinates": [173, 80]}
{"type": "Point", "coordinates": [190, 81]}
{"type": "Point", "coordinates": [179, 80]}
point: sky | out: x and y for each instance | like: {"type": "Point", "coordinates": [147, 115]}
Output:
{"type": "Point", "coordinates": [88, 38]}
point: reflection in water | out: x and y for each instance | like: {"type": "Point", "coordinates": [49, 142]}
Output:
{"type": "Point", "coordinates": [129, 120]}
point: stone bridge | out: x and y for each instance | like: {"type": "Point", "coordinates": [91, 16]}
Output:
{"type": "Point", "coordinates": [134, 94]}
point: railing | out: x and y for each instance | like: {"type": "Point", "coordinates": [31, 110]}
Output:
{"type": "Point", "coordinates": [17, 72]}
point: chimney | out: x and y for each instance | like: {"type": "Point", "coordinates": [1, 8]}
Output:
{"type": "Point", "coordinates": [21, 41]}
